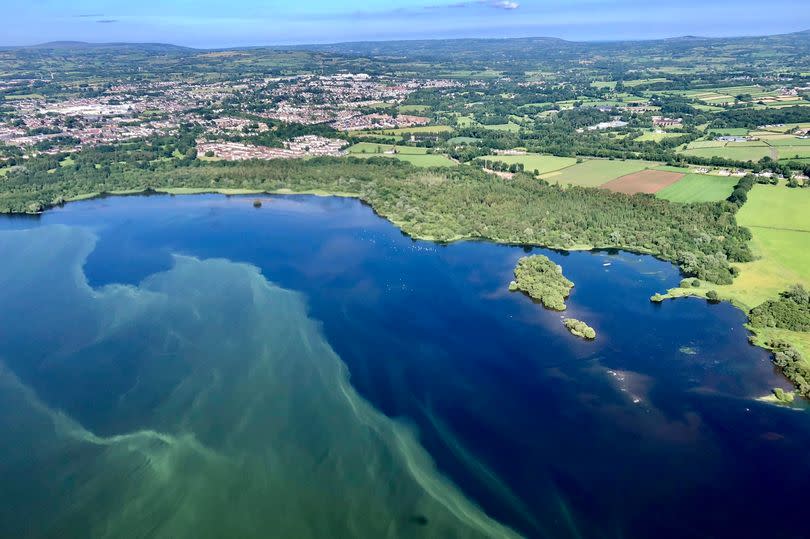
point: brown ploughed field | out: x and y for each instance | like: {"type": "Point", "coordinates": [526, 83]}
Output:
{"type": "Point", "coordinates": [646, 181]}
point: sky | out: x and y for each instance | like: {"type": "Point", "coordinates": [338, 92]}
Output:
{"type": "Point", "coordinates": [232, 23]}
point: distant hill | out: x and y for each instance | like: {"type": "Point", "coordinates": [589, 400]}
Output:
{"type": "Point", "coordinates": [83, 45]}
{"type": "Point", "coordinates": [410, 46]}
{"type": "Point", "coordinates": [440, 58]}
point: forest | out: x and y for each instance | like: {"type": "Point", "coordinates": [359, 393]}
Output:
{"type": "Point", "coordinates": [440, 204]}
{"type": "Point", "coordinates": [790, 311]}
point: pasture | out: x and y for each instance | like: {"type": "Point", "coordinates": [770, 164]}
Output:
{"type": "Point", "coordinates": [595, 172]}
{"type": "Point", "coordinates": [652, 136]}
{"type": "Point", "coordinates": [780, 225]}
{"type": "Point", "coordinates": [416, 156]}
{"type": "Point", "coordinates": [698, 188]}
{"type": "Point", "coordinates": [511, 127]}
{"type": "Point", "coordinates": [380, 149]}
{"type": "Point", "coordinates": [737, 153]}
{"type": "Point", "coordinates": [422, 129]}
{"type": "Point", "coordinates": [411, 109]}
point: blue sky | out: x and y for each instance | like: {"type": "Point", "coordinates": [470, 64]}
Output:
{"type": "Point", "coordinates": [218, 23]}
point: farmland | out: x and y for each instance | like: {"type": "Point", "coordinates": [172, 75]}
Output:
{"type": "Point", "coordinates": [595, 172]}
{"type": "Point", "coordinates": [752, 152]}
{"type": "Point", "coordinates": [644, 181]}
{"type": "Point", "coordinates": [414, 155]}
{"type": "Point", "coordinates": [780, 225]}
{"type": "Point", "coordinates": [698, 188]}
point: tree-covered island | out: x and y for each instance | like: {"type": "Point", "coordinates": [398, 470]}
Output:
{"type": "Point", "coordinates": [580, 329]}
{"type": "Point", "coordinates": [542, 280]}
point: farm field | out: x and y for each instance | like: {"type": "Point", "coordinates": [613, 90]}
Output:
{"type": "Point", "coordinates": [738, 153]}
{"type": "Point", "coordinates": [511, 127]}
{"type": "Point", "coordinates": [531, 162]}
{"type": "Point", "coordinates": [414, 155]}
{"type": "Point", "coordinates": [656, 137]}
{"type": "Point", "coordinates": [780, 226]}
{"type": "Point", "coordinates": [408, 130]}
{"type": "Point", "coordinates": [787, 140]}
{"type": "Point", "coordinates": [698, 188]}
{"type": "Point", "coordinates": [729, 131]}
{"type": "Point", "coordinates": [380, 149]}
{"type": "Point", "coordinates": [410, 109]}
{"type": "Point", "coordinates": [645, 181]}
{"type": "Point", "coordinates": [595, 172]}
{"type": "Point", "coordinates": [794, 152]}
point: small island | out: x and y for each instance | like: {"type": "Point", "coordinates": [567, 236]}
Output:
{"type": "Point", "coordinates": [542, 280]}
{"type": "Point", "coordinates": [580, 328]}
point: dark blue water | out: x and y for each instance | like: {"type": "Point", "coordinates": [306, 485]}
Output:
{"type": "Point", "coordinates": [652, 430]}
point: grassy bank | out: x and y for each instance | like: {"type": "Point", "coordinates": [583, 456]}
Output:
{"type": "Point", "coordinates": [780, 228]}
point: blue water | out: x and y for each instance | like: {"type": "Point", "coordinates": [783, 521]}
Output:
{"type": "Point", "coordinates": [652, 430]}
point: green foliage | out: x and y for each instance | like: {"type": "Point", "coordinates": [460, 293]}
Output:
{"type": "Point", "coordinates": [740, 194]}
{"type": "Point", "coordinates": [580, 328]}
{"type": "Point", "coordinates": [442, 204]}
{"type": "Point", "coordinates": [785, 397]}
{"type": "Point", "coordinates": [792, 365]}
{"type": "Point", "coordinates": [791, 311]}
{"type": "Point", "coordinates": [657, 298]}
{"type": "Point", "coordinates": [542, 280]}
{"type": "Point", "coordinates": [752, 118]}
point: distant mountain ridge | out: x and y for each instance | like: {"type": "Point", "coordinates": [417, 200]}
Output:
{"type": "Point", "coordinates": [367, 46]}
{"type": "Point", "coordinates": [73, 45]}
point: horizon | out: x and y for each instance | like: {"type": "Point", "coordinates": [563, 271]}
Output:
{"type": "Point", "coordinates": [327, 43]}
{"type": "Point", "coordinates": [210, 24]}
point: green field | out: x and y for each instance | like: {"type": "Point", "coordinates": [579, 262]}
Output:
{"type": "Point", "coordinates": [787, 140]}
{"type": "Point", "coordinates": [794, 152]}
{"type": "Point", "coordinates": [656, 137]}
{"type": "Point", "coordinates": [463, 140]}
{"type": "Point", "coordinates": [595, 172]}
{"type": "Point", "coordinates": [411, 109]}
{"type": "Point", "coordinates": [380, 149]}
{"type": "Point", "coordinates": [706, 144]}
{"type": "Point", "coordinates": [729, 131]}
{"type": "Point", "coordinates": [542, 163]}
{"type": "Point", "coordinates": [23, 96]}
{"type": "Point", "coordinates": [737, 153]}
{"type": "Point", "coordinates": [408, 130]}
{"type": "Point", "coordinates": [411, 154]}
{"type": "Point", "coordinates": [511, 127]}
{"type": "Point", "coordinates": [698, 188]}
{"type": "Point", "coordinates": [780, 225]}
{"type": "Point", "coordinates": [465, 120]}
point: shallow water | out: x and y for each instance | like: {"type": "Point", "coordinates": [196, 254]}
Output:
{"type": "Point", "coordinates": [194, 366]}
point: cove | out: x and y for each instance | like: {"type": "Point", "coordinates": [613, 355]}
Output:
{"type": "Point", "coordinates": [652, 430]}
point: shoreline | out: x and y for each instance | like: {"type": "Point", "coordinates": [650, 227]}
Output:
{"type": "Point", "coordinates": [672, 293]}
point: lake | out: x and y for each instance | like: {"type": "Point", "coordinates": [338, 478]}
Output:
{"type": "Point", "coordinates": [194, 366]}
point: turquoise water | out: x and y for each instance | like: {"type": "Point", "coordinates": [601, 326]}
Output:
{"type": "Point", "coordinates": [195, 367]}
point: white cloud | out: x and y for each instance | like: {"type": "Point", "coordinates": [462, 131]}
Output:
{"type": "Point", "coordinates": [504, 4]}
